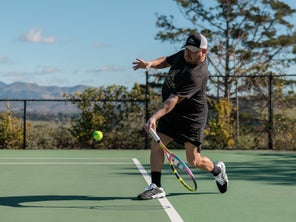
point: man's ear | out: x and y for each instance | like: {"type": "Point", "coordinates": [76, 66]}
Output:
{"type": "Point", "coordinates": [204, 51]}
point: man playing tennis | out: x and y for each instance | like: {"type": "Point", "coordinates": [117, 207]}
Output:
{"type": "Point", "coordinates": [183, 113]}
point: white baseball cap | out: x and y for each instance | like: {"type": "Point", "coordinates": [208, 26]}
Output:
{"type": "Point", "coordinates": [196, 42]}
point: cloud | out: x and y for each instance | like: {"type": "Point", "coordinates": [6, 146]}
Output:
{"type": "Point", "coordinates": [26, 75]}
{"type": "Point", "coordinates": [36, 36]}
{"type": "Point", "coordinates": [3, 60]}
{"type": "Point", "coordinates": [49, 70]}
{"type": "Point", "coordinates": [12, 76]}
{"type": "Point", "coordinates": [108, 69]}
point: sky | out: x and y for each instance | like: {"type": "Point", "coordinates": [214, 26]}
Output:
{"type": "Point", "coordinates": [88, 42]}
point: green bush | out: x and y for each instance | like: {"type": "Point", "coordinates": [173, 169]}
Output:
{"type": "Point", "coordinates": [116, 111]}
{"type": "Point", "coordinates": [284, 131]}
{"type": "Point", "coordinates": [220, 125]}
{"type": "Point", "coordinates": [11, 131]}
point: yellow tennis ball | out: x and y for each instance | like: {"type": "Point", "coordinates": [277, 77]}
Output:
{"type": "Point", "coordinates": [98, 135]}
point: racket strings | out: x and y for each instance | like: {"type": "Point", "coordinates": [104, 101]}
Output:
{"type": "Point", "coordinates": [184, 174]}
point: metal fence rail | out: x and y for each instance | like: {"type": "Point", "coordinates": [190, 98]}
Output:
{"type": "Point", "coordinates": [264, 117]}
{"type": "Point", "coordinates": [265, 120]}
{"type": "Point", "coordinates": [42, 121]}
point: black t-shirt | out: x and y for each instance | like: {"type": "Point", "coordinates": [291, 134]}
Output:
{"type": "Point", "coordinates": [188, 81]}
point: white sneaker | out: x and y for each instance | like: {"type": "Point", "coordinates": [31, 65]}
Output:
{"type": "Point", "coordinates": [222, 179]}
{"type": "Point", "coordinates": [152, 192]}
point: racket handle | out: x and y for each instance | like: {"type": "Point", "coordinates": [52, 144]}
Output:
{"type": "Point", "coordinates": [154, 135]}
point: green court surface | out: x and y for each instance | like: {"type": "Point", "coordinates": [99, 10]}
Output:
{"type": "Point", "coordinates": [90, 185]}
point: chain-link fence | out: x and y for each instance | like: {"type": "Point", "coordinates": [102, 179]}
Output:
{"type": "Point", "coordinates": [60, 124]}
{"type": "Point", "coordinates": [263, 110]}
{"type": "Point", "coordinates": [261, 118]}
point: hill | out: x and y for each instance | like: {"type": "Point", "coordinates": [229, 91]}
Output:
{"type": "Point", "coordinates": [22, 90]}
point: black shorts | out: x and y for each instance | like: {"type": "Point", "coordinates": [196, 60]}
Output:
{"type": "Point", "coordinates": [183, 129]}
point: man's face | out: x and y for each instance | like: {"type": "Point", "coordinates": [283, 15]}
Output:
{"type": "Point", "coordinates": [193, 57]}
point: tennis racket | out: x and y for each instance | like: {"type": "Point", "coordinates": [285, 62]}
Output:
{"type": "Point", "coordinates": [179, 167]}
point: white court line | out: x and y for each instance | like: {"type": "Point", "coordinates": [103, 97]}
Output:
{"type": "Point", "coordinates": [61, 163]}
{"type": "Point", "coordinates": [53, 161]}
{"type": "Point", "coordinates": [60, 158]}
{"type": "Point", "coordinates": [167, 206]}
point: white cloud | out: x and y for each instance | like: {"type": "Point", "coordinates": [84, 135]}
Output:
{"type": "Point", "coordinates": [14, 76]}
{"type": "Point", "coordinates": [49, 69]}
{"type": "Point", "coordinates": [108, 69]}
{"type": "Point", "coordinates": [24, 76]}
{"type": "Point", "coordinates": [3, 59]}
{"type": "Point", "coordinates": [36, 36]}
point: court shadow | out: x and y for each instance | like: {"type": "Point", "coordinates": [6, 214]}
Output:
{"type": "Point", "coordinates": [270, 168]}
{"type": "Point", "coordinates": [191, 194]}
{"type": "Point", "coordinates": [21, 201]}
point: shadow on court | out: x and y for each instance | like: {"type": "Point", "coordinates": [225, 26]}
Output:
{"type": "Point", "coordinates": [272, 168]}
{"type": "Point", "coordinates": [25, 201]}
{"type": "Point", "coordinates": [190, 194]}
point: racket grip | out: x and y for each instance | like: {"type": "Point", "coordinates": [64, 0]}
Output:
{"type": "Point", "coordinates": [154, 135]}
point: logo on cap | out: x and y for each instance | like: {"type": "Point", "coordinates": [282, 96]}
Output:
{"type": "Point", "coordinates": [197, 40]}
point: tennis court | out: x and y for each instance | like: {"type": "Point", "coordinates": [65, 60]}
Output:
{"type": "Point", "coordinates": [91, 185]}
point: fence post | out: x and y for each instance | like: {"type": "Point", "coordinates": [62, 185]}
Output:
{"type": "Point", "coordinates": [25, 124]}
{"type": "Point", "coordinates": [146, 106]}
{"type": "Point", "coordinates": [270, 107]}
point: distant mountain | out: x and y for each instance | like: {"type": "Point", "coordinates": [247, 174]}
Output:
{"type": "Point", "coordinates": [2, 84]}
{"type": "Point", "coordinates": [22, 90]}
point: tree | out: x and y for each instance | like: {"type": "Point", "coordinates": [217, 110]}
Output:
{"type": "Point", "coordinates": [246, 37]}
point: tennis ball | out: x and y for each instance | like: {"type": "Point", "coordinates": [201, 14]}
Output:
{"type": "Point", "coordinates": [98, 135]}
